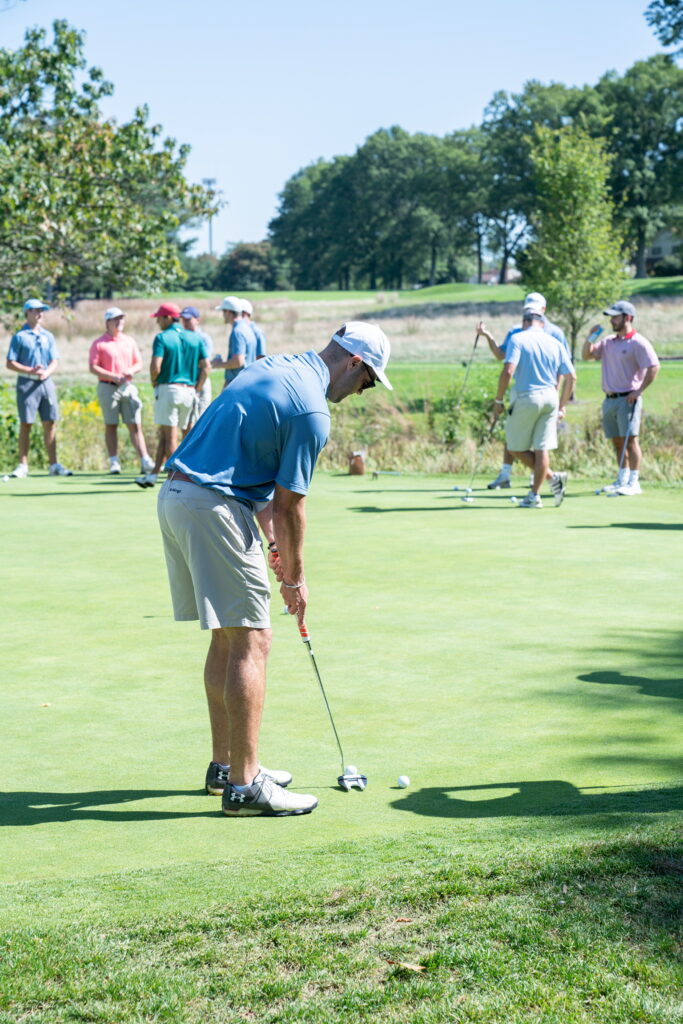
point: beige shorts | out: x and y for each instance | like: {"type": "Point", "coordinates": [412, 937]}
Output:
{"type": "Point", "coordinates": [115, 403]}
{"type": "Point", "coordinates": [173, 405]}
{"type": "Point", "coordinates": [532, 424]}
{"type": "Point", "coordinates": [214, 557]}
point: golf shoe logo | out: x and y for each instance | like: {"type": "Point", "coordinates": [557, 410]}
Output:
{"type": "Point", "coordinates": [237, 798]}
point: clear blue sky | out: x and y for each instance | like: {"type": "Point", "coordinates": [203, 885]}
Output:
{"type": "Point", "coordinates": [259, 90]}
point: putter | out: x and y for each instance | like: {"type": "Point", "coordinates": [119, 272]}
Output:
{"type": "Point", "coordinates": [467, 373]}
{"type": "Point", "coordinates": [468, 490]}
{"type": "Point", "coordinates": [613, 493]}
{"type": "Point", "coordinates": [346, 780]}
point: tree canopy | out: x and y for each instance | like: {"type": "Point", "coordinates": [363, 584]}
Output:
{"type": "Point", "coordinates": [83, 200]}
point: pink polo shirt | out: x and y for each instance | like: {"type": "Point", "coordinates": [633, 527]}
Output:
{"type": "Point", "coordinates": [115, 355]}
{"type": "Point", "coordinates": [624, 361]}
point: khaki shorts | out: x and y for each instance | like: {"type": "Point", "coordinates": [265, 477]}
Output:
{"type": "Point", "coordinates": [214, 557]}
{"type": "Point", "coordinates": [173, 405]}
{"type": "Point", "coordinates": [620, 417]}
{"type": "Point", "coordinates": [532, 424]}
{"type": "Point", "coordinates": [115, 403]}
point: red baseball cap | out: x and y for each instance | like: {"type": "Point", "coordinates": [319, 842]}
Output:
{"type": "Point", "coordinates": [167, 309]}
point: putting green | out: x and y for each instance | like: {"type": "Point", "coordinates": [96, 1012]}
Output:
{"type": "Point", "coordinates": [518, 665]}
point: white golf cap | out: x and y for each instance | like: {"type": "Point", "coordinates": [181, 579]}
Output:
{"type": "Point", "coordinates": [370, 343]}
{"type": "Point", "coordinates": [113, 312]}
{"type": "Point", "coordinates": [247, 307]}
{"type": "Point", "coordinates": [535, 308]}
{"type": "Point", "coordinates": [232, 303]}
{"type": "Point", "coordinates": [535, 299]}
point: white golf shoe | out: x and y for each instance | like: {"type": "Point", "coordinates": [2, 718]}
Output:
{"type": "Point", "coordinates": [628, 490]}
{"type": "Point", "coordinates": [57, 469]}
{"type": "Point", "coordinates": [501, 481]}
{"type": "Point", "coordinates": [264, 797]}
{"type": "Point", "coordinates": [21, 471]}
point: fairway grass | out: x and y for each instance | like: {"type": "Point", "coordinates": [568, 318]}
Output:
{"type": "Point", "coordinates": [523, 667]}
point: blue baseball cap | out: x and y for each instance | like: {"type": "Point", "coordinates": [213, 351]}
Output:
{"type": "Point", "coordinates": [190, 311]}
{"type": "Point", "coordinates": [34, 304]}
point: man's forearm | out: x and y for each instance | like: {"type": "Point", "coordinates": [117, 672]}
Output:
{"type": "Point", "coordinates": [289, 527]}
{"type": "Point", "coordinates": [650, 375]}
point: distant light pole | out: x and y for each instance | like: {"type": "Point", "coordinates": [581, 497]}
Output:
{"type": "Point", "coordinates": [210, 183]}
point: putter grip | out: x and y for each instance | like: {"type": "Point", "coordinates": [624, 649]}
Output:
{"type": "Point", "coordinates": [303, 631]}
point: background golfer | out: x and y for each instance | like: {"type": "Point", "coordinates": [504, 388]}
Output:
{"type": "Point", "coordinates": [253, 454]}
{"type": "Point", "coordinates": [629, 365]}
{"type": "Point", "coordinates": [537, 361]}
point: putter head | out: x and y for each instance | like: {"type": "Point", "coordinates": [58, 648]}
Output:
{"type": "Point", "coordinates": [468, 498]}
{"type": "Point", "coordinates": [347, 782]}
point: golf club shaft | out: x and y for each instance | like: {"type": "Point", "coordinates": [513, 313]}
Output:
{"type": "Point", "coordinates": [482, 449]}
{"type": "Point", "coordinates": [303, 630]}
{"type": "Point", "coordinates": [467, 373]}
{"type": "Point", "coordinates": [628, 434]}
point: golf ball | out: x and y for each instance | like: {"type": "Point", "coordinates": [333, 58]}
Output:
{"type": "Point", "coordinates": [513, 500]}
{"type": "Point", "coordinates": [5, 478]}
{"type": "Point", "coordinates": [599, 490]}
{"type": "Point", "coordinates": [351, 770]}
{"type": "Point", "coordinates": [403, 781]}
{"type": "Point", "coordinates": [468, 498]}
{"type": "Point", "coordinates": [469, 490]}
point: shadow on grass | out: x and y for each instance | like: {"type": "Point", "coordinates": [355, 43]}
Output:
{"type": "Point", "coordinates": [32, 808]}
{"type": "Point", "coordinates": [629, 526]}
{"type": "Point", "coordinates": [531, 799]}
{"type": "Point", "coordinates": [672, 689]}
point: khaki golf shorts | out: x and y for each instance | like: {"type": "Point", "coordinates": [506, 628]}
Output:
{"type": "Point", "coordinates": [114, 404]}
{"type": "Point", "coordinates": [173, 405]}
{"type": "Point", "coordinates": [532, 424]}
{"type": "Point", "coordinates": [214, 557]}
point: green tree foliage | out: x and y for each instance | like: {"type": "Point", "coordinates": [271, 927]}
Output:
{"type": "Point", "coordinates": [575, 259]}
{"type": "Point", "coordinates": [248, 266]}
{"type": "Point", "coordinates": [83, 200]}
{"type": "Point", "coordinates": [644, 132]}
{"type": "Point", "coordinates": [666, 18]}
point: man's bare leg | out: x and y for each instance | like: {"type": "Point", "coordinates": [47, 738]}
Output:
{"type": "Point", "coordinates": [235, 683]}
{"type": "Point", "coordinates": [24, 442]}
{"type": "Point", "coordinates": [529, 460]}
{"type": "Point", "coordinates": [138, 439]}
{"type": "Point", "coordinates": [111, 439]}
{"type": "Point", "coordinates": [618, 443]}
{"type": "Point", "coordinates": [50, 436]}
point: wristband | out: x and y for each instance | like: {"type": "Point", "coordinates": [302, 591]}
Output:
{"type": "Point", "coordinates": [498, 401]}
{"type": "Point", "coordinates": [294, 586]}
{"type": "Point", "coordinates": [272, 547]}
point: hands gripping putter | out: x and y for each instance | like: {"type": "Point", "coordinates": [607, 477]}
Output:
{"type": "Point", "coordinates": [350, 777]}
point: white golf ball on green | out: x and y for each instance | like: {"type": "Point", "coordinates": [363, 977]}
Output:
{"type": "Point", "coordinates": [351, 770]}
{"type": "Point", "coordinates": [513, 500]}
{"type": "Point", "coordinates": [403, 782]}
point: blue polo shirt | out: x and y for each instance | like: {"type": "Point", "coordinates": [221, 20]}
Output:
{"type": "Point", "coordinates": [538, 358]}
{"type": "Point", "coordinates": [550, 328]}
{"type": "Point", "coordinates": [208, 341]}
{"type": "Point", "coordinates": [242, 342]}
{"type": "Point", "coordinates": [33, 347]}
{"type": "Point", "coordinates": [260, 340]}
{"type": "Point", "coordinates": [267, 428]}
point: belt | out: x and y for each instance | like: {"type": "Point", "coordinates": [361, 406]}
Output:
{"type": "Point", "coordinates": [111, 383]}
{"type": "Point", "coordinates": [182, 477]}
{"type": "Point", "coordinates": [617, 394]}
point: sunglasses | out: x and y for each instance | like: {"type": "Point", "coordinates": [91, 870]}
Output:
{"type": "Point", "coordinates": [372, 378]}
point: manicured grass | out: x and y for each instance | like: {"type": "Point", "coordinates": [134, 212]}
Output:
{"type": "Point", "coordinates": [464, 292]}
{"type": "Point", "coordinates": [522, 667]}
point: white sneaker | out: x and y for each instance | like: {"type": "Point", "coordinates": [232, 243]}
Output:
{"type": "Point", "coordinates": [628, 490]}
{"type": "Point", "coordinates": [501, 481]}
{"type": "Point", "coordinates": [265, 797]}
{"type": "Point", "coordinates": [532, 500]}
{"type": "Point", "coordinates": [146, 480]}
{"type": "Point", "coordinates": [114, 466]}
{"type": "Point", "coordinates": [57, 469]}
{"type": "Point", "coordinates": [146, 464]}
{"type": "Point", "coordinates": [21, 471]}
{"type": "Point", "coordinates": [558, 485]}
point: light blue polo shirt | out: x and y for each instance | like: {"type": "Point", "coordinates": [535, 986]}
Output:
{"type": "Point", "coordinates": [208, 341]}
{"type": "Point", "coordinates": [260, 340]}
{"type": "Point", "coordinates": [33, 347]}
{"type": "Point", "coordinates": [267, 428]}
{"type": "Point", "coordinates": [539, 359]}
{"type": "Point", "coordinates": [242, 342]}
{"type": "Point", "coordinates": [550, 328]}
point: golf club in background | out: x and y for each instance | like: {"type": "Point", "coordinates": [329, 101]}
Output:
{"type": "Point", "coordinates": [611, 489]}
{"type": "Point", "coordinates": [349, 777]}
{"type": "Point", "coordinates": [467, 373]}
{"type": "Point", "coordinates": [467, 497]}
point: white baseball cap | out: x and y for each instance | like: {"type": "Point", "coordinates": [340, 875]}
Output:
{"type": "Point", "coordinates": [533, 307]}
{"type": "Point", "coordinates": [247, 307]}
{"type": "Point", "coordinates": [232, 303]}
{"type": "Point", "coordinates": [370, 343]}
{"type": "Point", "coordinates": [535, 299]}
{"type": "Point", "coordinates": [113, 312]}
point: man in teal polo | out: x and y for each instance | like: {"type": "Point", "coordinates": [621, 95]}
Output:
{"type": "Point", "coordinates": [178, 370]}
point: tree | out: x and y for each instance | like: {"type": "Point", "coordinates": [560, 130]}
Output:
{"type": "Point", "coordinates": [82, 198]}
{"type": "Point", "coordinates": [645, 134]}
{"type": "Point", "coordinates": [575, 259]}
{"type": "Point", "coordinates": [666, 18]}
{"type": "Point", "coordinates": [248, 266]}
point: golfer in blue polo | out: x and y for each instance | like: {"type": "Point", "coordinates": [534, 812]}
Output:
{"type": "Point", "coordinates": [250, 458]}
{"type": "Point", "coordinates": [33, 356]}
